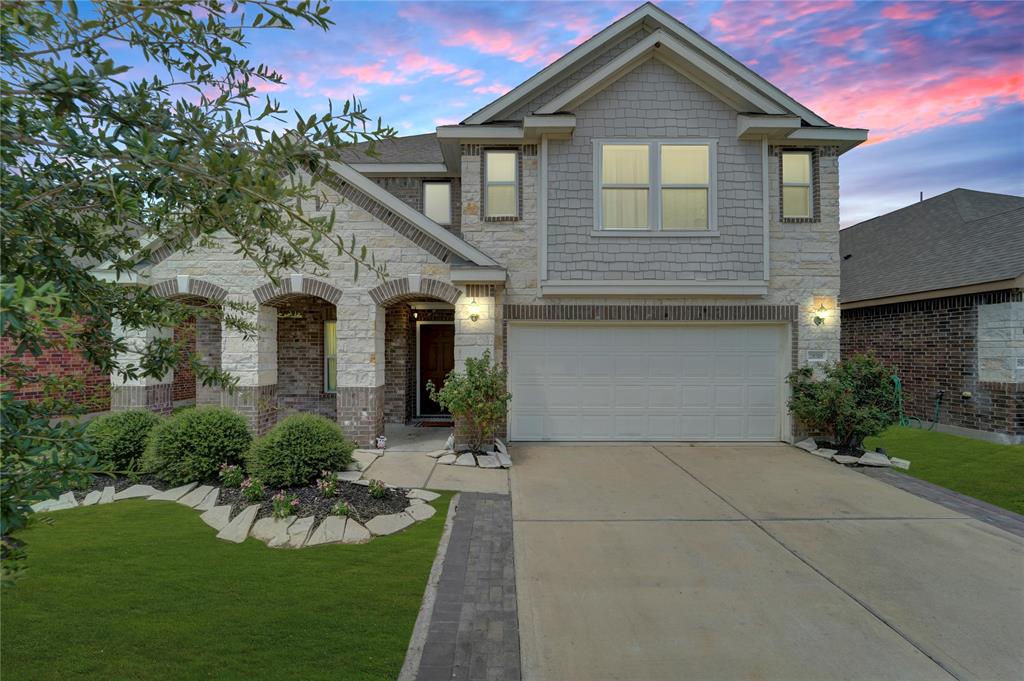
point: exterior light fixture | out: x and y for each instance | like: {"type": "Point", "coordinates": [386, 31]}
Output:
{"type": "Point", "coordinates": [819, 317]}
{"type": "Point", "coordinates": [474, 311]}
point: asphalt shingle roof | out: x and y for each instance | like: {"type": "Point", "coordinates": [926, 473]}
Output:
{"type": "Point", "coordinates": [411, 149]}
{"type": "Point", "coordinates": [959, 238]}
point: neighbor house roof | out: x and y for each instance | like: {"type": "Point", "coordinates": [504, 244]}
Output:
{"type": "Point", "coordinates": [957, 239]}
{"type": "Point", "coordinates": [411, 149]}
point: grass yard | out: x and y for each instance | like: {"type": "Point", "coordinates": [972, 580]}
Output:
{"type": "Point", "coordinates": [986, 471]}
{"type": "Point", "coordinates": [143, 590]}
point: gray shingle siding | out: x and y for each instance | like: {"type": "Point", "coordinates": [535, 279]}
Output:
{"type": "Point", "coordinates": [655, 102]}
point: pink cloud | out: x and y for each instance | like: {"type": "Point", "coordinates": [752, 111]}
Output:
{"type": "Point", "coordinates": [838, 38]}
{"type": "Point", "coordinates": [492, 41]}
{"type": "Point", "coordinates": [372, 73]}
{"type": "Point", "coordinates": [897, 109]}
{"type": "Point", "coordinates": [492, 89]}
{"type": "Point", "coordinates": [990, 10]}
{"type": "Point", "coordinates": [446, 121]}
{"type": "Point", "coordinates": [405, 99]}
{"type": "Point", "coordinates": [906, 12]}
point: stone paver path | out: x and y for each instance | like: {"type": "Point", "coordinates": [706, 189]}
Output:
{"type": "Point", "coordinates": [473, 632]}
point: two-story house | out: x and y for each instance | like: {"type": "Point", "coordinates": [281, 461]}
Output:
{"type": "Point", "coordinates": [646, 233]}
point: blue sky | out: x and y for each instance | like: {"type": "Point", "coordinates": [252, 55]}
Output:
{"type": "Point", "coordinates": [940, 84]}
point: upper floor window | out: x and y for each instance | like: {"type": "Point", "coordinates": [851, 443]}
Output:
{"type": "Point", "coordinates": [501, 184]}
{"type": "Point", "coordinates": [660, 186]}
{"type": "Point", "coordinates": [437, 202]}
{"type": "Point", "coordinates": [797, 186]}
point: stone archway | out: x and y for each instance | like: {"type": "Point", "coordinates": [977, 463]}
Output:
{"type": "Point", "coordinates": [413, 286]}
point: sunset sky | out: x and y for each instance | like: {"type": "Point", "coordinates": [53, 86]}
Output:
{"type": "Point", "coordinates": [939, 84]}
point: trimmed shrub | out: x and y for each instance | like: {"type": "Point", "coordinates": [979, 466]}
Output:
{"type": "Point", "coordinates": [297, 449]}
{"type": "Point", "coordinates": [118, 439]}
{"type": "Point", "coordinates": [191, 445]}
{"type": "Point", "coordinates": [477, 399]}
{"type": "Point", "coordinates": [854, 399]}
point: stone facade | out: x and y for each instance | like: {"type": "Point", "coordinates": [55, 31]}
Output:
{"type": "Point", "coordinates": [942, 344]}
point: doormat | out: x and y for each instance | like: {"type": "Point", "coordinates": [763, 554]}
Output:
{"type": "Point", "coordinates": [435, 424]}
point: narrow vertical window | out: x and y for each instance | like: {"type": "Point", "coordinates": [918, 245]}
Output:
{"type": "Point", "coordinates": [330, 356]}
{"type": "Point", "coordinates": [437, 202]}
{"type": "Point", "coordinates": [796, 184]}
{"type": "Point", "coordinates": [501, 184]}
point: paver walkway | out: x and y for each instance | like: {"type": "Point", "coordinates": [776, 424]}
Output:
{"type": "Point", "coordinates": [705, 562]}
{"type": "Point", "coordinates": [473, 632]}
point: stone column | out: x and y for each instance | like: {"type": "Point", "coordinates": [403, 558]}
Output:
{"type": "Point", "coordinates": [473, 337]}
{"type": "Point", "coordinates": [152, 393]}
{"type": "Point", "coordinates": [254, 361]}
{"type": "Point", "coordinates": [361, 324]}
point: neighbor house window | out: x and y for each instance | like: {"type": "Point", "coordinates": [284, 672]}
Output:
{"type": "Point", "coordinates": [660, 186]}
{"type": "Point", "coordinates": [501, 184]}
{"type": "Point", "coordinates": [796, 184]}
{"type": "Point", "coordinates": [437, 202]}
{"type": "Point", "coordinates": [330, 356]}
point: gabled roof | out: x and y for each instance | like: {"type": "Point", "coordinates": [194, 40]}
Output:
{"type": "Point", "coordinates": [960, 238]}
{"type": "Point", "coordinates": [685, 42]}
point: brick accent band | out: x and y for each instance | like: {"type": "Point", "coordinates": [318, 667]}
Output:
{"type": "Point", "coordinates": [311, 286]}
{"type": "Point", "coordinates": [361, 413]}
{"type": "Point", "coordinates": [196, 287]}
{"type": "Point", "coordinates": [395, 290]}
{"type": "Point", "coordinates": [157, 398]}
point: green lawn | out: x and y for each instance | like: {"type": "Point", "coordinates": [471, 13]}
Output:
{"type": "Point", "coordinates": [143, 590]}
{"type": "Point", "coordinates": [986, 471]}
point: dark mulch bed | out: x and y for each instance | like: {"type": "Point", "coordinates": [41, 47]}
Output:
{"type": "Point", "coordinates": [361, 505]}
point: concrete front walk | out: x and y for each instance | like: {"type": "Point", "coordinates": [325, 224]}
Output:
{"type": "Point", "coordinates": [734, 562]}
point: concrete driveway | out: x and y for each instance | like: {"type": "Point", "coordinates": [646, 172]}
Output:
{"type": "Point", "coordinates": [751, 562]}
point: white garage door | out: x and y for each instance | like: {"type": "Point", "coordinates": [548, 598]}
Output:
{"type": "Point", "coordinates": [636, 382]}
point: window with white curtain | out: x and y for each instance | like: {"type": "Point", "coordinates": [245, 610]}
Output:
{"type": "Point", "coordinates": [655, 186]}
{"type": "Point", "coordinates": [437, 202]}
{"type": "Point", "coordinates": [796, 184]}
{"type": "Point", "coordinates": [501, 183]}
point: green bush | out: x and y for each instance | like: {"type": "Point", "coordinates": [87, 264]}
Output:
{"type": "Point", "coordinates": [297, 449]}
{"type": "Point", "coordinates": [119, 439]}
{"type": "Point", "coordinates": [477, 399]}
{"type": "Point", "coordinates": [854, 399]}
{"type": "Point", "coordinates": [191, 445]}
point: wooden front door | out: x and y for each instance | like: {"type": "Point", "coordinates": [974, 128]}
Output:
{"type": "Point", "coordinates": [437, 359]}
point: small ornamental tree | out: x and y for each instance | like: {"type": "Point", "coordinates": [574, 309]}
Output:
{"type": "Point", "coordinates": [104, 162]}
{"type": "Point", "coordinates": [476, 399]}
{"type": "Point", "coordinates": [854, 399]}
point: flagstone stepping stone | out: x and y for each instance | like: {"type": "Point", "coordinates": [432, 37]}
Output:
{"type": "Point", "coordinates": [298, 532]}
{"type": "Point", "coordinates": [349, 476]}
{"type": "Point", "coordinates": [217, 517]}
{"type": "Point", "coordinates": [64, 501]}
{"type": "Point", "coordinates": [422, 494]}
{"type": "Point", "coordinates": [902, 464]}
{"type": "Point", "coordinates": [845, 460]}
{"type": "Point", "coordinates": [874, 459]}
{"type": "Point", "coordinates": [330, 531]}
{"type": "Point", "coordinates": [449, 444]}
{"type": "Point", "coordinates": [92, 498]}
{"type": "Point", "coordinates": [107, 496]}
{"type": "Point", "coordinates": [196, 496]}
{"type": "Point", "coordinates": [488, 461]}
{"type": "Point", "coordinates": [500, 446]}
{"type": "Point", "coordinates": [389, 524]}
{"type": "Point", "coordinates": [809, 444]}
{"type": "Point", "coordinates": [44, 505]}
{"type": "Point", "coordinates": [209, 501]}
{"type": "Point", "coordinates": [447, 459]}
{"type": "Point", "coordinates": [824, 453]}
{"type": "Point", "coordinates": [355, 533]}
{"type": "Point", "coordinates": [135, 492]}
{"type": "Point", "coordinates": [270, 529]}
{"type": "Point", "coordinates": [465, 460]}
{"type": "Point", "coordinates": [173, 494]}
{"type": "Point", "coordinates": [504, 459]}
{"type": "Point", "coordinates": [437, 454]}
{"type": "Point", "coordinates": [364, 483]}
{"type": "Point", "coordinates": [419, 512]}
{"type": "Point", "coordinates": [416, 501]}
{"type": "Point", "coordinates": [238, 529]}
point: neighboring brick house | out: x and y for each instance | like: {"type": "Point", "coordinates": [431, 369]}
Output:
{"type": "Point", "coordinates": [935, 290]}
{"type": "Point", "coordinates": [644, 231]}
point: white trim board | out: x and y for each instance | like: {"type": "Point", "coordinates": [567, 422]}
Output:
{"type": "Point", "coordinates": [419, 409]}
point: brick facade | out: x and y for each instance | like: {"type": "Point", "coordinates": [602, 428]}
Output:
{"type": "Point", "coordinates": [94, 394]}
{"type": "Point", "coordinates": [184, 384]}
{"type": "Point", "coordinates": [933, 345]}
{"type": "Point", "coordinates": [300, 357]}
{"type": "Point", "coordinates": [401, 359]}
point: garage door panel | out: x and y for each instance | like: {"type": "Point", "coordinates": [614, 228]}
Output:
{"type": "Point", "coordinates": [645, 382]}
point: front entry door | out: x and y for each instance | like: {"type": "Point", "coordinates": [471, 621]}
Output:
{"type": "Point", "coordinates": [437, 359]}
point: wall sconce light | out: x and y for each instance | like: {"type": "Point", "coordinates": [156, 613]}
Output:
{"type": "Point", "coordinates": [415, 315]}
{"type": "Point", "coordinates": [822, 313]}
{"type": "Point", "coordinates": [474, 311]}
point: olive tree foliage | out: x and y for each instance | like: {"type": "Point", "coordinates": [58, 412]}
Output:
{"type": "Point", "coordinates": [101, 166]}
